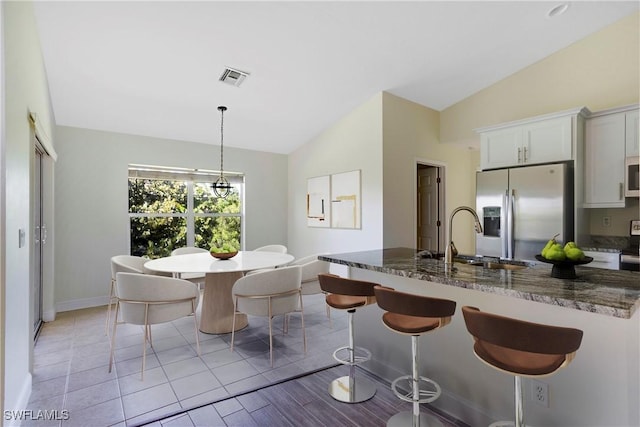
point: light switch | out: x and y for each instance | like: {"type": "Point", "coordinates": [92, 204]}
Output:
{"type": "Point", "coordinates": [21, 237]}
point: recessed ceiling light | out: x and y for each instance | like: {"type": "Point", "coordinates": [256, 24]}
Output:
{"type": "Point", "coordinates": [558, 10]}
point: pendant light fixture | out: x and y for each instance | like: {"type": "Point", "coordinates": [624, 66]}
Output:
{"type": "Point", "coordinates": [221, 187]}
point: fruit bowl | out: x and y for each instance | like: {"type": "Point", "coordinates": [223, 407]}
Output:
{"type": "Point", "coordinates": [223, 255]}
{"type": "Point", "coordinates": [564, 269]}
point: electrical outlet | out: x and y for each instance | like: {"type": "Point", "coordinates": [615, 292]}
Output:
{"type": "Point", "coordinates": [540, 393]}
{"type": "Point", "coordinates": [606, 221]}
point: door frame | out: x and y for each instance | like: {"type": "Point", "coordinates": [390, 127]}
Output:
{"type": "Point", "coordinates": [40, 137]}
{"type": "Point", "coordinates": [37, 238]}
{"type": "Point", "coordinates": [442, 209]}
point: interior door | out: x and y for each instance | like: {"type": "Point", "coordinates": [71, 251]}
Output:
{"type": "Point", "coordinates": [428, 208]}
{"type": "Point", "coordinates": [39, 234]}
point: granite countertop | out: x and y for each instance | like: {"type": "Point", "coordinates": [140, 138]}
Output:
{"type": "Point", "coordinates": [613, 244]}
{"type": "Point", "coordinates": [601, 249]}
{"type": "Point", "coordinates": [608, 292]}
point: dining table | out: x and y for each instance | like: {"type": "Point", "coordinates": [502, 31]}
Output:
{"type": "Point", "coordinates": [217, 310]}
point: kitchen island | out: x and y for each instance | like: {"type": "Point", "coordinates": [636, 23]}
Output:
{"type": "Point", "coordinates": [601, 387]}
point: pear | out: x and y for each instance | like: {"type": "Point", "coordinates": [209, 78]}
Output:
{"type": "Point", "coordinates": [548, 246]}
{"type": "Point", "coordinates": [570, 245]}
{"type": "Point", "coordinates": [574, 254]}
{"type": "Point", "coordinates": [556, 253]}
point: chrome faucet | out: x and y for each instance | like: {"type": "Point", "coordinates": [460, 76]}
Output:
{"type": "Point", "coordinates": [451, 250]}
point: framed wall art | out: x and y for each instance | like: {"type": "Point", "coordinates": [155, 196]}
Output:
{"type": "Point", "coordinates": [345, 200]}
{"type": "Point", "coordinates": [318, 201]}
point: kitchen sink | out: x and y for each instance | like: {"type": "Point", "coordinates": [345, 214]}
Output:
{"type": "Point", "coordinates": [468, 261]}
{"type": "Point", "coordinates": [503, 266]}
{"type": "Point", "coordinates": [491, 263]}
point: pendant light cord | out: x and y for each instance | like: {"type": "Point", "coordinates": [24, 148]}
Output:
{"type": "Point", "coordinates": [222, 110]}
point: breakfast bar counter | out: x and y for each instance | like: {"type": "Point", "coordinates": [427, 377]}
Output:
{"type": "Point", "coordinates": [608, 292]}
{"type": "Point", "coordinates": [600, 387]}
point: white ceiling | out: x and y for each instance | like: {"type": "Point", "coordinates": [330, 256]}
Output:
{"type": "Point", "coordinates": [152, 67]}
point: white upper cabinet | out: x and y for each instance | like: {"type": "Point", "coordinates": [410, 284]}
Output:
{"type": "Point", "coordinates": [547, 141]}
{"type": "Point", "coordinates": [500, 148]}
{"type": "Point", "coordinates": [604, 161]}
{"type": "Point", "coordinates": [632, 143]}
{"type": "Point", "coordinates": [543, 139]}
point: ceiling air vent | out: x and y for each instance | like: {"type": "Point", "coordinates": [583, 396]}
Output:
{"type": "Point", "coordinates": [233, 77]}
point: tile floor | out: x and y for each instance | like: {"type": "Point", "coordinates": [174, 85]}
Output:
{"type": "Point", "coordinates": [71, 360]}
{"type": "Point", "coordinates": [304, 401]}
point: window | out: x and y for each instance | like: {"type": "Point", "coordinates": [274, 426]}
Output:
{"type": "Point", "coordinates": [173, 208]}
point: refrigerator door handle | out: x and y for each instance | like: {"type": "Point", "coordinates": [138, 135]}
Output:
{"type": "Point", "coordinates": [504, 224]}
{"type": "Point", "coordinates": [511, 225]}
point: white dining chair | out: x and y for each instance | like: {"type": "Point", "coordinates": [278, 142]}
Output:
{"type": "Point", "coordinates": [198, 278]}
{"type": "Point", "coordinates": [145, 299]}
{"type": "Point", "coordinates": [187, 250]}
{"type": "Point", "coordinates": [269, 293]}
{"type": "Point", "coordinates": [272, 248]}
{"type": "Point", "coordinates": [122, 263]}
{"type": "Point", "coordinates": [311, 266]}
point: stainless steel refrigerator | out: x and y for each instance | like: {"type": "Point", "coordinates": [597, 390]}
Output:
{"type": "Point", "coordinates": [522, 208]}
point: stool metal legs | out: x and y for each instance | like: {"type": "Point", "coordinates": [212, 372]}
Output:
{"type": "Point", "coordinates": [415, 395]}
{"type": "Point", "coordinates": [350, 389]}
{"type": "Point", "coordinates": [519, 409]}
{"type": "Point", "coordinates": [518, 396]}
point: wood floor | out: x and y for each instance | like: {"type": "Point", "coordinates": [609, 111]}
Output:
{"type": "Point", "coordinates": [302, 401]}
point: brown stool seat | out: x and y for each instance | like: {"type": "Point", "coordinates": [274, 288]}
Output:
{"type": "Point", "coordinates": [414, 315]}
{"type": "Point", "coordinates": [349, 294]}
{"type": "Point", "coordinates": [332, 284]}
{"type": "Point", "coordinates": [520, 348]}
{"type": "Point", "coordinates": [345, 302]}
{"type": "Point", "coordinates": [411, 325]}
{"type": "Point", "coordinates": [519, 362]}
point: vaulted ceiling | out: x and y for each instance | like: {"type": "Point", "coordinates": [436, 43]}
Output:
{"type": "Point", "coordinates": [152, 67]}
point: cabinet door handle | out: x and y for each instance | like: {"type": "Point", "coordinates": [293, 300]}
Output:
{"type": "Point", "coordinates": [525, 155]}
{"type": "Point", "coordinates": [519, 149]}
{"type": "Point", "coordinates": [621, 191]}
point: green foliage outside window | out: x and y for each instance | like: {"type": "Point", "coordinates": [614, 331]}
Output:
{"type": "Point", "coordinates": [159, 215]}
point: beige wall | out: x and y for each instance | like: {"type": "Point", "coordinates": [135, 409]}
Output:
{"type": "Point", "coordinates": [600, 71]}
{"type": "Point", "coordinates": [25, 89]}
{"type": "Point", "coordinates": [97, 223]}
{"type": "Point", "coordinates": [620, 219]}
{"type": "Point", "coordinates": [2, 215]}
{"type": "Point", "coordinates": [411, 134]}
{"type": "Point", "coordinates": [354, 142]}
{"type": "Point", "coordinates": [384, 138]}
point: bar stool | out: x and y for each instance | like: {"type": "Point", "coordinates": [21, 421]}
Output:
{"type": "Point", "coordinates": [414, 315]}
{"type": "Point", "coordinates": [349, 294]}
{"type": "Point", "coordinates": [519, 348]}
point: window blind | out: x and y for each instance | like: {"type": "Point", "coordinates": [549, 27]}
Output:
{"type": "Point", "coordinates": [182, 174]}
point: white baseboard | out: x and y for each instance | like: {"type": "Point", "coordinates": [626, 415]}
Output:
{"type": "Point", "coordinates": [20, 402]}
{"type": "Point", "coordinates": [48, 316]}
{"type": "Point", "coordinates": [78, 304]}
